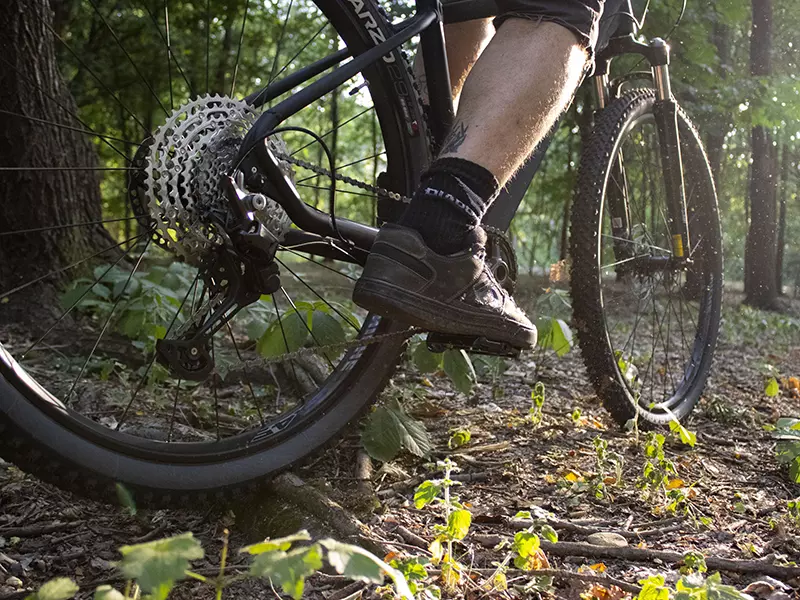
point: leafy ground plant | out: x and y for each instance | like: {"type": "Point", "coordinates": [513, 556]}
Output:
{"type": "Point", "coordinates": [155, 567]}
{"type": "Point", "coordinates": [457, 520]}
{"type": "Point", "coordinates": [787, 449]}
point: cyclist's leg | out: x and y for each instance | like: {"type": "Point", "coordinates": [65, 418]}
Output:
{"type": "Point", "coordinates": [430, 271]}
{"type": "Point", "coordinates": [464, 42]}
{"type": "Point", "coordinates": [521, 83]}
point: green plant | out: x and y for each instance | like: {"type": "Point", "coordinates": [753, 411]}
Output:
{"type": "Point", "coordinates": [458, 438]}
{"type": "Point", "coordinates": [390, 429]}
{"type": "Point", "coordinates": [155, 567]}
{"type": "Point", "coordinates": [456, 516]}
{"type": "Point", "coordinates": [456, 364]}
{"type": "Point", "coordinates": [535, 415]}
{"type": "Point", "coordinates": [657, 467]}
{"type": "Point", "coordinates": [688, 438]}
{"type": "Point", "coordinates": [787, 449]}
{"type": "Point", "coordinates": [608, 465]}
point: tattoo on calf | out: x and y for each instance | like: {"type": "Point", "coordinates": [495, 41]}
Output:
{"type": "Point", "coordinates": [455, 138]}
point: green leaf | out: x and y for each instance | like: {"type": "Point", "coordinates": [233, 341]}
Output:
{"type": "Point", "coordinates": [287, 334]}
{"type": "Point", "coordinates": [561, 337]}
{"type": "Point", "coordinates": [523, 514]}
{"type": "Point", "coordinates": [425, 360]}
{"type": "Point", "coordinates": [283, 543]}
{"type": "Point", "coordinates": [126, 499]}
{"type": "Point", "coordinates": [354, 562]}
{"type": "Point", "coordinates": [459, 369]}
{"type": "Point", "coordinates": [458, 438]}
{"type": "Point", "coordinates": [426, 492]}
{"type": "Point", "coordinates": [389, 429]}
{"type": "Point", "coordinates": [689, 438]}
{"type": "Point", "coordinates": [326, 329]}
{"type": "Point", "coordinates": [526, 544]}
{"type": "Point", "coordinates": [361, 565]}
{"type": "Point", "coordinates": [288, 569]}
{"type": "Point", "coordinates": [653, 589]}
{"type": "Point", "coordinates": [106, 592]}
{"type": "Point", "coordinates": [458, 524]}
{"type": "Point", "coordinates": [157, 565]}
{"type": "Point", "coordinates": [772, 388]}
{"type": "Point", "coordinates": [60, 588]}
{"type": "Point", "coordinates": [549, 533]}
{"type": "Point", "coordinates": [382, 436]}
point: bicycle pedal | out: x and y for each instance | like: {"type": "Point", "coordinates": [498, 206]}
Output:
{"type": "Point", "coordinates": [439, 342]}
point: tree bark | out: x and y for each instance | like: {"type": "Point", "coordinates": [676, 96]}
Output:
{"type": "Point", "coordinates": [760, 248]}
{"type": "Point", "coordinates": [31, 85]}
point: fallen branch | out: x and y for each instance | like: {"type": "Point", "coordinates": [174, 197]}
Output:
{"type": "Point", "coordinates": [291, 488]}
{"type": "Point", "coordinates": [561, 575]}
{"type": "Point", "coordinates": [760, 567]}
{"type": "Point", "coordinates": [520, 524]}
{"type": "Point", "coordinates": [34, 530]}
{"type": "Point", "coordinates": [461, 477]}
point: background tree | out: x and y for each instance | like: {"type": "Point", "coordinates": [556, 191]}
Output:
{"type": "Point", "coordinates": [38, 121]}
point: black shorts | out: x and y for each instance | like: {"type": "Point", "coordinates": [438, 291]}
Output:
{"type": "Point", "coordinates": [582, 17]}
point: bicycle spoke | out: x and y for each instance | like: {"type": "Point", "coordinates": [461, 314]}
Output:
{"type": "Point", "coordinates": [313, 291]}
{"type": "Point", "coordinates": [338, 191]}
{"type": "Point", "coordinates": [108, 320]}
{"type": "Point", "coordinates": [37, 86]}
{"type": "Point", "coordinates": [94, 76]}
{"type": "Point", "coordinates": [46, 169]}
{"type": "Point", "coordinates": [279, 44]}
{"type": "Point", "coordinates": [68, 267]}
{"type": "Point", "coordinates": [319, 264]}
{"type": "Point", "coordinates": [128, 56]}
{"type": "Point", "coordinates": [214, 388]}
{"type": "Point", "coordinates": [256, 403]}
{"type": "Point", "coordinates": [152, 361]}
{"type": "Point", "coordinates": [169, 52]}
{"type": "Point", "coordinates": [174, 410]}
{"type": "Point", "coordinates": [239, 48]}
{"type": "Point", "coordinates": [57, 227]}
{"type": "Point", "coordinates": [305, 323]}
{"type": "Point", "coordinates": [69, 128]}
{"type": "Point", "coordinates": [283, 335]}
{"type": "Point", "coordinates": [330, 131]}
{"type": "Point", "coordinates": [75, 303]}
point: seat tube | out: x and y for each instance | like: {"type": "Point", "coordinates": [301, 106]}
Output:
{"type": "Point", "coordinates": [437, 73]}
{"type": "Point", "coordinates": [665, 111]}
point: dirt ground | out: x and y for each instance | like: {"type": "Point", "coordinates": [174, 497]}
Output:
{"type": "Point", "coordinates": [735, 506]}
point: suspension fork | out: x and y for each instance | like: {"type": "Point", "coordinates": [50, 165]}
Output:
{"type": "Point", "coordinates": [665, 111]}
{"type": "Point", "coordinates": [618, 201]}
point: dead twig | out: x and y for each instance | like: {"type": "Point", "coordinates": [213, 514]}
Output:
{"type": "Point", "coordinates": [34, 530]}
{"type": "Point", "coordinates": [520, 524]}
{"type": "Point", "coordinates": [761, 567]}
{"type": "Point", "coordinates": [561, 575]}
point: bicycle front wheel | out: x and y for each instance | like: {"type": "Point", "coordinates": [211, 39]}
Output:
{"type": "Point", "coordinates": [113, 259]}
{"type": "Point", "coordinates": [647, 329]}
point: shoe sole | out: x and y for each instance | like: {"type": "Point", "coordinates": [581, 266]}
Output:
{"type": "Point", "coordinates": [397, 303]}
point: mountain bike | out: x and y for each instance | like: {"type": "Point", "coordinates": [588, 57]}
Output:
{"type": "Point", "coordinates": [209, 342]}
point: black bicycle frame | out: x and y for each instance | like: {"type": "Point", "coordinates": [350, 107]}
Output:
{"type": "Point", "coordinates": [351, 241]}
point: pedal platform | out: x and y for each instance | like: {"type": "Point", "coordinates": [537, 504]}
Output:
{"type": "Point", "coordinates": [439, 342]}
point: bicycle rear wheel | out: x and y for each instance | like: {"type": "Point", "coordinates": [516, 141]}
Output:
{"type": "Point", "coordinates": [83, 401]}
{"type": "Point", "coordinates": [647, 335]}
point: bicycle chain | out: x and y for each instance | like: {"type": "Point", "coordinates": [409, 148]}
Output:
{"type": "Point", "coordinates": [344, 178]}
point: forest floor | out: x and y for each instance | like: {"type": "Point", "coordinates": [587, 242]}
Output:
{"type": "Point", "coordinates": [734, 492]}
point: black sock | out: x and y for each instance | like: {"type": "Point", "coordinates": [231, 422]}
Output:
{"type": "Point", "coordinates": [450, 201]}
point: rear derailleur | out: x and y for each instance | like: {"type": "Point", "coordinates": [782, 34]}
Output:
{"type": "Point", "coordinates": [235, 275]}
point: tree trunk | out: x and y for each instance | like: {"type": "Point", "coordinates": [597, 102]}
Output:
{"type": "Point", "coordinates": [31, 85]}
{"type": "Point", "coordinates": [783, 192]}
{"type": "Point", "coordinates": [761, 248]}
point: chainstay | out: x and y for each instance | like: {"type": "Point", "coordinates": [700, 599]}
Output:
{"type": "Point", "coordinates": [344, 178]}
